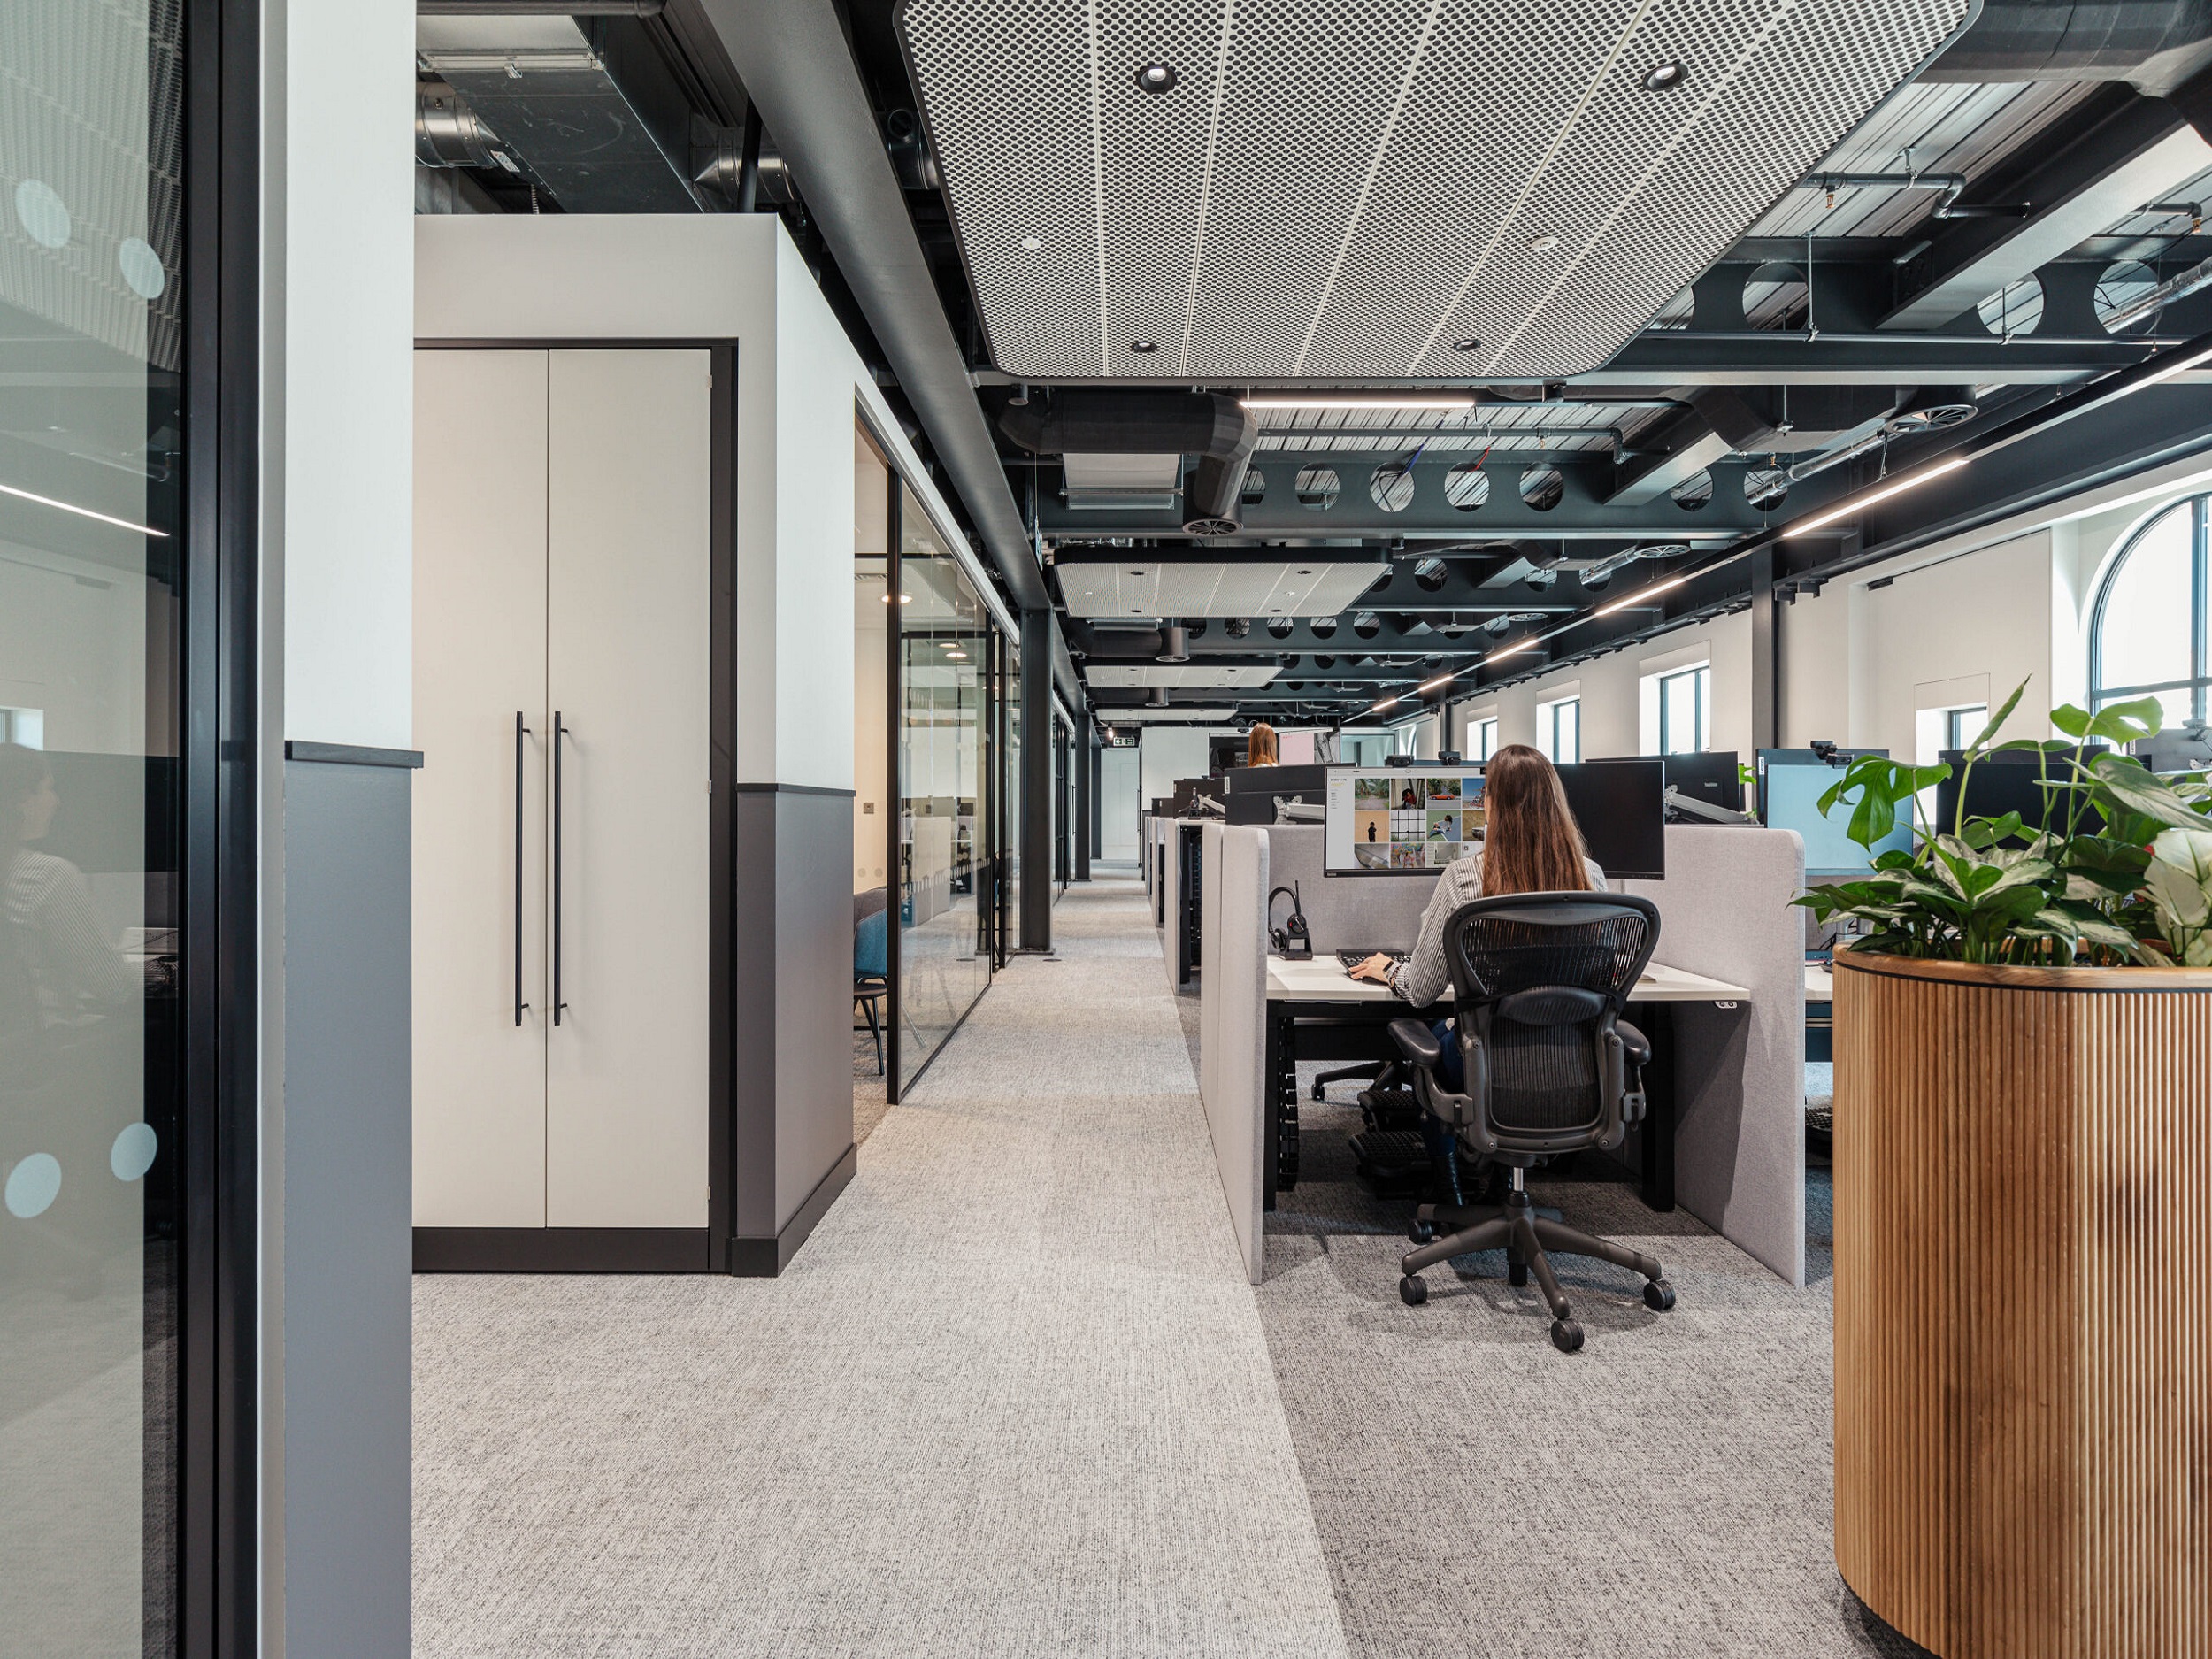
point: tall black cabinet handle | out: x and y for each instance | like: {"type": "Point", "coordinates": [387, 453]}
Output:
{"type": "Point", "coordinates": [521, 731]}
{"type": "Point", "coordinates": [560, 731]}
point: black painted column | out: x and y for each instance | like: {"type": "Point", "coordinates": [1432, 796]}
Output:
{"type": "Point", "coordinates": [1766, 659]}
{"type": "Point", "coordinates": [1038, 880]}
{"type": "Point", "coordinates": [1086, 760]}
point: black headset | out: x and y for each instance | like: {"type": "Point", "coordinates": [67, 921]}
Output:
{"type": "Point", "coordinates": [1291, 941]}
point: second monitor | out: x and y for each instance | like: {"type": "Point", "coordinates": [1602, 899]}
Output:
{"type": "Point", "coordinates": [1404, 822]}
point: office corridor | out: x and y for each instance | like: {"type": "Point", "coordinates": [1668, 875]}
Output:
{"type": "Point", "coordinates": [1012, 1398]}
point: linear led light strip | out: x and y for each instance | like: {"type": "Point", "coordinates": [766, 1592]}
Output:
{"type": "Point", "coordinates": [1353, 400]}
{"type": "Point", "coordinates": [82, 512]}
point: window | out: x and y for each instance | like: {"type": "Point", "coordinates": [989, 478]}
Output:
{"type": "Point", "coordinates": [1961, 727]}
{"type": "Point", "coordinates": [2146, 632]}
{"type": "Point", "coordinates": [1685, 711]}
{"type": "Point", "coordinates": [1559, 730]}
{"type": "Point", "coordinates": [1482, 740]}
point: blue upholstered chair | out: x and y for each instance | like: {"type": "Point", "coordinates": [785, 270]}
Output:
{"type": "Point", "coordinates": [872, 947]}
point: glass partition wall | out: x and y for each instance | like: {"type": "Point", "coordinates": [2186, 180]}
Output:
{"type": "Point", "coordinates": [942, 889]}
{"type": "Point", "coordinates": [97, 399]}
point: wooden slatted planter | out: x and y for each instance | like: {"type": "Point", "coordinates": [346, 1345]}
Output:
{"type": "Point", "coordinates": [2023, 1306]}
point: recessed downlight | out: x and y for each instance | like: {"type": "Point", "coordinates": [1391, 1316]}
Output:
{"type": "Point", "coordinates": [1032, 244]}
{"type": "Point", "coordinates": [1136, 573]}
{"type": "Point", "coordinates": [1157, 78]}
{"type": "Point", "coordinates": [1545, 243]}
{"type": "Point", "coordinates": [1144, 348]}
{"type": "Point", "coordinates": [1665, 77]}
{"type": "Point", "coordinates": [1469, 344]}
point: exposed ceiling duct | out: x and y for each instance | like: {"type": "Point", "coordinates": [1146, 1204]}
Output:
{"type": "Point", "coordinates": [795, 59]}
{"type": "Point", "coordinates": [1213, 427]}
{"type": "Point", "coordinates": [591, 106]}
{"type": "Point", "coordinates": [2155, 44]}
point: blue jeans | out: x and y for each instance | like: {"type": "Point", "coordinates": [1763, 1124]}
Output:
{"type": "Point", "coordinates": [1451, 1070]}
{"type": "Point", "coordinates": [1443, 1145]}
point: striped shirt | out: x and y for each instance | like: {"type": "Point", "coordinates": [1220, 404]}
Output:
{"type": "Point", "coordinates": [1424, 977]}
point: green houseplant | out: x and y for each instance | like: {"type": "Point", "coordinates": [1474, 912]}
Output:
{"type": "Point", "coordinates": [2120, 874]}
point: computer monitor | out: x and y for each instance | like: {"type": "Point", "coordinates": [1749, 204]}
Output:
{"type": "Point", "coordinates": [2009, 782]}
{"type": "Point", "coordinates": [1710, 777]}
{"type": "Point", "coordinates": [1791, 783]}
{"type": "Point", "coordinates": [2183, 747]}
{"type": "Point", "coordinates": [1622, 808]}
{"type": "Point", "coordinates": [1393, 822]}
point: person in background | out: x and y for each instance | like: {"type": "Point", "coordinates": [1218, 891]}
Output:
{"type": "Point", "coordinates": [1532, 845]}
{"type": "Point", "coordinates": [1260, 749]}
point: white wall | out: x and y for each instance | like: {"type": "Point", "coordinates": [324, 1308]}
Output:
{"type": "Point", "coordinates": [1166, 753]}
{"type": "Point", "coordinates": [340, 438]}
{"type": "Point", "coordinates": [1118, 806]}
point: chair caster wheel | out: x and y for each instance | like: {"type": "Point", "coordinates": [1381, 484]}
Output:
{"type": "Point", "coordinates": [1422, 1231]}
{"type": "Point", "coordinates": [1320, 1091]}
{"type": "Point", "coordinates": [1658, 1295]}
{"type": "Point", "coordinates": [1566, 1335]}
{"type": "Point", "coordinates": [1413, 1290]}
{"type": "Point", "coordinates": [1516, 1274]}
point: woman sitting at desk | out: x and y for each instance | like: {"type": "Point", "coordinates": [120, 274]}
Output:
{"type": "Point", "coordinates": [1533, 846]}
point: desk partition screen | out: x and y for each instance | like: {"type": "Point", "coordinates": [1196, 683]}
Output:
{"type": "Point", "coordinates": [1399, 821]}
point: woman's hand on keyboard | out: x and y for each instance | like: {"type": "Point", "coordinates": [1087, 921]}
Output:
{"type": "Point", "coordinates": [1376, 968]}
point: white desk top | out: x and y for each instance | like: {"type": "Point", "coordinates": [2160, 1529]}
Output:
{"type": "Point", "coordinates": [1820, 984]}
{"type": "Point", "coordinates": [1324, 979]}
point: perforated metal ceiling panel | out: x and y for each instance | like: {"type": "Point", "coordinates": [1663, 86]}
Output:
{"type": "Point", "coordinates": [1336, 189]}
{"type": "Point", "coordinates": [1188, 677]}
{"type": "Point", "coordinates": [1140, 585]}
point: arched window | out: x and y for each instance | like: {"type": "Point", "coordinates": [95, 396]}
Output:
{"type": "Point", "coordinates": [2146, 635]}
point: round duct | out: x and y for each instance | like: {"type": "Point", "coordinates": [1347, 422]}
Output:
{"type": "Point", "coordinates": [1175, 645]}
{"type": "Point", "coordinates": [1210, 527]}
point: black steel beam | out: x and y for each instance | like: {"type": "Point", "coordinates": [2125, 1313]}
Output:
{"type": "Point", "coordinates": [1581, 513]}
{"type": "Point", "coordinates": [2044, 457]}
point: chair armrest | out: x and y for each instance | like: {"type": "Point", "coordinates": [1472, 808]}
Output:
{"type": "Point", "coordinates": [1416, 1042]}
{"type": "Point", "coordinates": [1635, 1045]}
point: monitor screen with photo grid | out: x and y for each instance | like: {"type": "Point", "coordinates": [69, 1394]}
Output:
{"type": "Point", "coordinates": [1399, 821]}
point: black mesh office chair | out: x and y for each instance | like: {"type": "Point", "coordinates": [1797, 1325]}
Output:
{"type": "Point", "coordinates": [1538, 983]}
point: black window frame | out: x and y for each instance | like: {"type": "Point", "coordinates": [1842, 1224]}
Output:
{"type": "Point", "coordinates": [2199, 684]}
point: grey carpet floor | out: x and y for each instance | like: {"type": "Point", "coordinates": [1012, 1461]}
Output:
{"type": "Point", "coordinates": [1665, 1491]}
{"type": "Point", "coordinates": [869, 1101]}
{"type": "Point", "coordinates": [1012, 1398]}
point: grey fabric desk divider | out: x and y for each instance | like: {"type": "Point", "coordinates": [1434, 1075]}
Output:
{"type": "Point", "coordinates": [1232, 1021]}
{"type": "Point", "coordinates": [1725, 911]}
{"type": "Point", "coordinates": [1344, 912]}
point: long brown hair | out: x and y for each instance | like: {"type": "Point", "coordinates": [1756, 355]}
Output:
{"type": "Point", "coordinates": [1531, 842]}
{"type": "Point", "coordinates": [1259, 749]}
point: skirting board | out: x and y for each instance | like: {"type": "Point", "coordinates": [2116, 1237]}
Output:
{"type": "Point", "coordinates": [765, 1258]}
{"type": "Point", "coordinates": [561, 1250]}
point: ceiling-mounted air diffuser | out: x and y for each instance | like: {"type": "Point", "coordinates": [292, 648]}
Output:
{"type": "Point", "coordinates": [1175, 645]}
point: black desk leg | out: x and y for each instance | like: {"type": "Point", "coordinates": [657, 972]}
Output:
{"type": "Point", "coordinates": [1656, 1020]}
{"type": "Point", "coordinates": [1279, 1158]}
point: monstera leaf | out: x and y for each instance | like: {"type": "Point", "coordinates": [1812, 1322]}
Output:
{"type": "Point", "coordinates": [2179, 880]}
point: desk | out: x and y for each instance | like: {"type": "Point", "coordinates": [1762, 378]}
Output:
{"type": "Point", "coordinates": [1316, 1010]}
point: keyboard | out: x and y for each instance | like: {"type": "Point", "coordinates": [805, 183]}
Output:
{"type": "Point", "coordinates": [1352, 958]}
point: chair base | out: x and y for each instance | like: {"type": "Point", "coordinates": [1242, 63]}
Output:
{"type": "Point", "coordinates": [1524, 1235]}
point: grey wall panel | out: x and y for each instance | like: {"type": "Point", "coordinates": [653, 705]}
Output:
{"type": "Point", "coordinates": [814, 965]}
{"type": "Point", "coordinates": [793, 896]}
{"type": "Point", "coordinates": [753, 1016]}
{"type": "Point", "coordinates": [348, 1153]}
